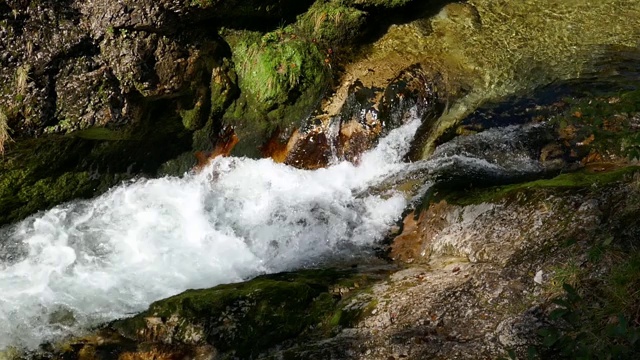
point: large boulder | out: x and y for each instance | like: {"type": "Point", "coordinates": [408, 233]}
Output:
{"type": "Point", "coordinates": [118, 73]}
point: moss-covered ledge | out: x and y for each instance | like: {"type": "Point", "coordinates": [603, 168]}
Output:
{"type": "Point", "coordinates": [234, 320]}
{"type": "Point", "coordinates": [39, 173]}
{"type": "Point", "coordinates": [585, 179]}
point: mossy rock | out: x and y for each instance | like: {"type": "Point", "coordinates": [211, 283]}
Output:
{"type": "Point", "coordinates": [331, 22]}
{"type": "Point", "coordinates": [582, 180]}
{"type": "Point", "coordinates": [248, 318]}
{"type": "Point", "coordinates": [37, 174]}
{"type": "Point", "coordinates": [281, 79]}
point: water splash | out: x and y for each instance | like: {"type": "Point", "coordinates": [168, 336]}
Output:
{"type": "Point", "coordinates": [87, 262]}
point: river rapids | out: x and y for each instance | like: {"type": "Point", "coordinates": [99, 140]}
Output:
{"type": "Point", "coordinates": [84, 263]}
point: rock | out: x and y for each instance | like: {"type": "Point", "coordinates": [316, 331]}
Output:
{"type": "Point", "coordinates": [75, 109]}
{"type": "Point", "coordinates": [414, 92]}
{"type": "Point", "coordinates": [538, 279]}
{"type": "Point", "coordinates": [414, 243]}
{"type": "Point", "coordinates": [281, 81]}
{"type": "Point", "coordinates": [365, 115]}
{"type": "Point", "coordinates": [234, 320]}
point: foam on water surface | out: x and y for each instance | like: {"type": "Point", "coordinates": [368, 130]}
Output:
{"type": "Point", "coordinates": [87, 262]}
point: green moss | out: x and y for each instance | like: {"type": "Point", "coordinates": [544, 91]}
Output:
{"type": "Point", "coordinates": [36, 174]}
{"type": "Point", "coordinates": [223, 88]}
{"type": "Point", "coordinates": [575, 180]}
{"type": "Point", "coordinates": [331, 22]}
{"type": "Point", "coordinates": [250, 317]}
{"type": "Point", "coordinates": [192, 119]}
{"type": "Point", "coordinates": [20, 197]}
{"type": "Point", "coordinates": [281, 80]}
{"type": "Point", "coordinates": [269, 71]}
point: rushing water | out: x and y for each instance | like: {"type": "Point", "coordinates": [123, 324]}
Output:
{"type": "Point", "coordinates": [87, 262]}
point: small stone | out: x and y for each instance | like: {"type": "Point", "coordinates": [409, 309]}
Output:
{"type": "Point", "coordinates": [538, 277]}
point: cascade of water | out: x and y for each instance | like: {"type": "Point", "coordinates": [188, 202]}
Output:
{"type": "Point", "coordinates": [333, 133]}
{"type": "Point", "coordinates": [88, 262]}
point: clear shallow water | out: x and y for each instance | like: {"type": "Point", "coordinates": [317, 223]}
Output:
{"type": "Point", "coordinates": [84, 263]}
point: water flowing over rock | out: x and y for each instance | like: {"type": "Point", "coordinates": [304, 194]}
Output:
{"type": "Point", "coordinates": [243, 217]}
{"type": "Point", "coordinates": [121, 74]}
{"type": "Point", "coordinates": [470, 170]}
{"type": "Point", "coordinates": [365, 115]}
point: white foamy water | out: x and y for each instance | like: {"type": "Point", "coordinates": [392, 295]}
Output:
{"type": "Point", "coordinates": [84, 263]}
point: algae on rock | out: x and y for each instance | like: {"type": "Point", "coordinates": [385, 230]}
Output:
{"type": "Point", "coordinates": [236, 320]}
{"type": "Point", "coordinates": [281, 80]}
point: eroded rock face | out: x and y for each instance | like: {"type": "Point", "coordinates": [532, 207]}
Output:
{"type": "Point", "coordinates": [162, 72]}
{"type": "Point", "coordinates": [366, 114]}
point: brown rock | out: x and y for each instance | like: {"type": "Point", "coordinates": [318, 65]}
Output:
{"type": "Point", "coordinates": [223, 146]}
{"type": "Point", "coordinates": [414, 243]}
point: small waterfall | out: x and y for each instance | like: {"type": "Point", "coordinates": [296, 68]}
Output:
{"type": "Point", "coordinates": [333, 134]}
{"type": "Point", "coordinates": [87, 262]}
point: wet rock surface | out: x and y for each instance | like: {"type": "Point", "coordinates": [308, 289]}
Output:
{"type": "Point", "coordinates": [366, 114]}
{"type": "Point", "coordinates": [164, 71]}
{"type": "Point", "coordinates": [478, 282]}
{"type": "Point", "coordinates": [100, 91]}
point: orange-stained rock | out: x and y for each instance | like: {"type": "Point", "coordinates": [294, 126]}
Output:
{"type": "Point", "coordinates": [311, 151]}
{"type": "Point", "coordinates": [413, 244]}
{"type": "Point", "coordinates": [223, 146]}
{"type": "Point", "coordinates": [278, 148]}
{"type": "Point", "coordinates": [355, 138]}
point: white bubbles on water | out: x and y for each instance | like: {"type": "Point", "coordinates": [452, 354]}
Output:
{"type": "Point", "coordinates": [87, 262]}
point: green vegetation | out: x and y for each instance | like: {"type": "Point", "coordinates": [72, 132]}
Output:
{"type": "Point", "coordinates": [249, 317]}
{"type": "Point", "coordinates": [281, 79]}
{"type": "Point", "coordinates": [192, 118]}
{"type": "Point", "coordinates": [4, 131]}
{"type": "Point", "coordinates": [270, 71]}
{"type": "Point", "coordinates": [41, 193]}
{"type": "Point", "coordinates": [36, 175]}
{"type": "Point", "coordinates": [569, 181]}
{"type": "Point", "coordinates": [331, 22]}
{"type": "Point", "coordinates": [597, 318]}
